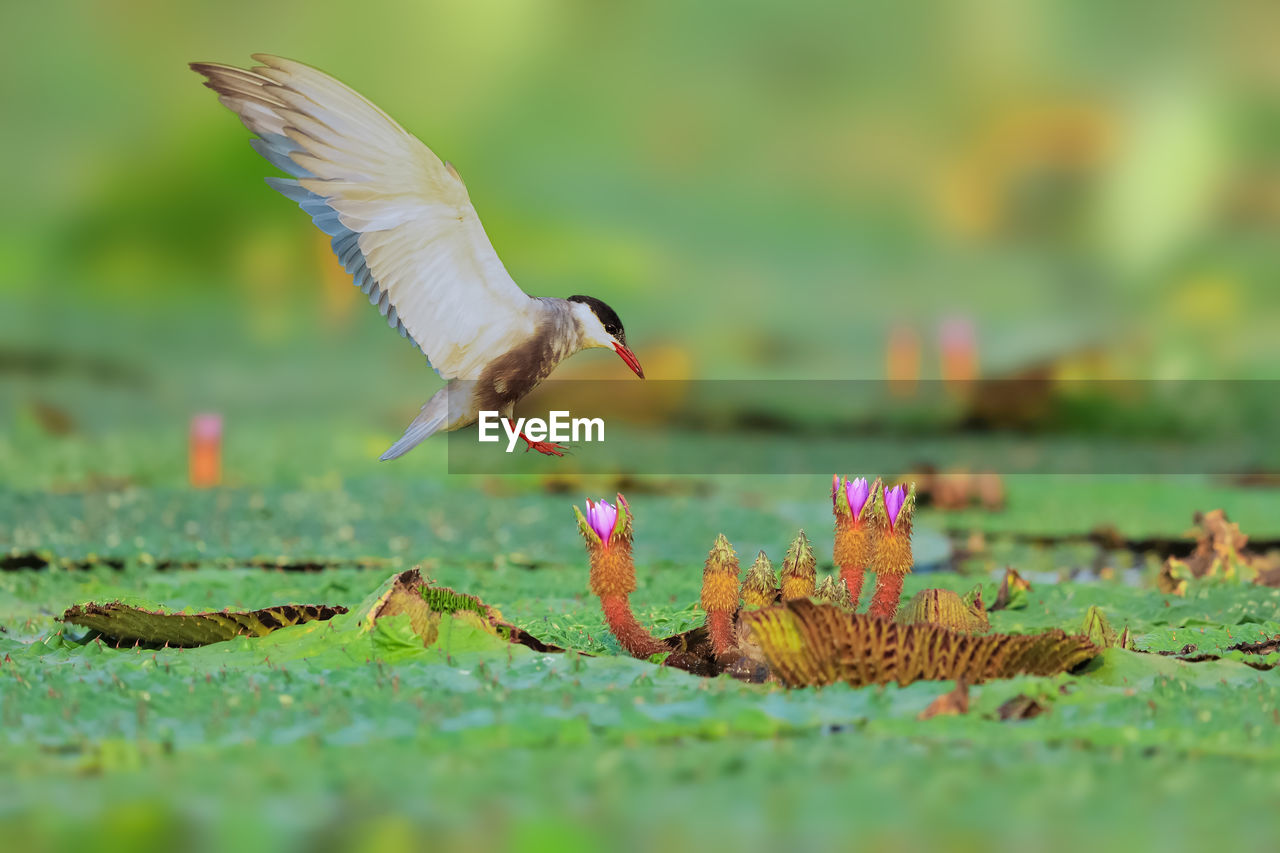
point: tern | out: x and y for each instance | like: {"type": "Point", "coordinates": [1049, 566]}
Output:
{"type": "Point", "coordinates": [403, 226]}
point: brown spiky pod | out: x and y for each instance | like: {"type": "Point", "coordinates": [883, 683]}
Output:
{"type": "Point", "coordinates": [854, 537]}
{"type": "Point", "coordinates": [827, 590]}
{"type": "Point", "coordinates": [892, 558]}
{"type": "Point", "coordinates": [807, 645]}
{"type": "Point", "coordinates": [760, 587]}
{"type": "Point", "coordinates": [799, 569]}
{"type": "Point", "coordinates": [613, 579]}
{"type": "Point", "coordinates": [720, 596]}
{"type": "Point", "coordinates": [843, 597]}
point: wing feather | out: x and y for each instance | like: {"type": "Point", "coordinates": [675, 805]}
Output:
{"type": "Point", "coordinates": [400, 219]}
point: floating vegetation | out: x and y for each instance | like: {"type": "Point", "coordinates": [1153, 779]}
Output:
{"type": "Point", "coordinates": [807, 645]}
{"type": "Point", "coordinates": [807, 634]}
{"type": "Point", "coordinates": [123, 624]}
{"type": "Point", "coordinates": [1221, 553]}
{"type": "Point", "coordinates": [946, 608]}
{"type": "Point", "coordinates": [430, 611]}
{"type": "Point", "coordinates": [433, 609]}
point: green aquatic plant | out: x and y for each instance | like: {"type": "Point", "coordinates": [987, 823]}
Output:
{"type": "Point", "coordinates": [125, 624]}
{"type": "Point", "coordinates": [807, 644]}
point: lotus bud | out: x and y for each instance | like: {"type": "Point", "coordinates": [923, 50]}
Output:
{"type": "Point", "coordinates": [851, 501]}
{"type": "Point", "coordinates": [720, 595]}
{"type": "Point", "coordinates": [760, 588]}
{"type": "Point", "coordinates": [799, 570]}
{"type": "Point", "coordinates": [892, 559]}
{"type": "Point", "coordinates": [607, 530]}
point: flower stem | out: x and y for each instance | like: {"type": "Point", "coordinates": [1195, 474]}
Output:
{"type": "Point", "coordinates": [631, 635]}
{"type": "Point", "coordinates": [723, 639]}
{"type": "Point", "coordinates": [855, 537]}
{"type": "Point", "coordinates": [884, 601]}
{"type": "Point", "coordinates": [720, 596]}
{"type": "Point", "coordinates": [853, 578]}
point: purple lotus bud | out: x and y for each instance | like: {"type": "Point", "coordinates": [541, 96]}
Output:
{"type": "Point", "coordinates": [856, 493]}
{"type": "Point", "coordinates": [893, 500]}
{"type": "Point", "coordinates": [602, 517]}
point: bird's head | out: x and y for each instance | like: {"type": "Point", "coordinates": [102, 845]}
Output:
{"type": "Point", "coordinates": [601, 328]}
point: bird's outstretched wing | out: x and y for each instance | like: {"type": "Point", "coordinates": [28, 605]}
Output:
{"type": "Point", "coordinates": [400, 220]}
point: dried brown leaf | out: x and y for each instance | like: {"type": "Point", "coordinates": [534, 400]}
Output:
{"type": "Point", "coordinates": [124, 624]}
{"type": "Point", "coordinates": [946, 608]}
{"type": "Point", "coordinates": [810, 644]}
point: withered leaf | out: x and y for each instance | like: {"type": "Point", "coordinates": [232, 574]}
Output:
{"type": "Point", "coordinates": [124, 624]}
{"type": "Point", "coordinates": [810, 644]}
{"type": "Point", "coordinates": [946, 608]}
{"type": "Point", "coordinates": [426, 605]}
{"type": "Point", "coordinates": [1221, 551]}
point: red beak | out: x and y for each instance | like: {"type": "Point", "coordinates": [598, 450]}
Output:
{"type": "Point", "coordinates": [630, 358]}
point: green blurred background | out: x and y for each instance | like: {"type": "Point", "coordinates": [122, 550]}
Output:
{"type": "Point", "coordinates": [762, 190]}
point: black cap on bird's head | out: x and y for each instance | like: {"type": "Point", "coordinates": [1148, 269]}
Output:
{"type": "Point", "coordinates": [613, 327]}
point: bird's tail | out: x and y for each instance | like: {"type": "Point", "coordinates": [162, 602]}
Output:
{"type": "Point", "coordinates": [431, 418]}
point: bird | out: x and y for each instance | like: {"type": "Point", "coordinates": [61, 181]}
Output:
{"type": "Point", "coordinates": [403, 226]}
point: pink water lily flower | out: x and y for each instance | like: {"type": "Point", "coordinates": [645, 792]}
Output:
{"type": "Point", "coordinates": [603, 518]}
{"type": "Point", "coordinates": [856, 493]}
{"type": "Point", "coordinates": [893, 500]}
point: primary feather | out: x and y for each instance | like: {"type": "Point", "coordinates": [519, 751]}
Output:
{"type": "Point", "coordinates": [401, 221]}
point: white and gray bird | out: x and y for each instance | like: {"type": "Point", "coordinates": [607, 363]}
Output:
{"type": "Point", "coordinates": [403, 226]}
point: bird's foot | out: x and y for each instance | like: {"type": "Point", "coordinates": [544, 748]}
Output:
{"type": "Point", "coordinates": [547, 448]}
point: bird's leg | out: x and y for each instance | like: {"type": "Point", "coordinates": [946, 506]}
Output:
{"type": "Point", "coordinates": [548, 448]}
